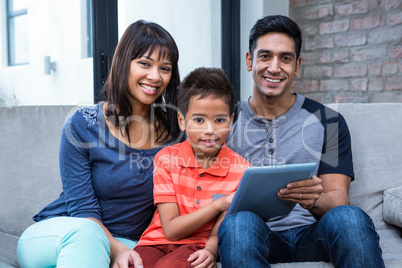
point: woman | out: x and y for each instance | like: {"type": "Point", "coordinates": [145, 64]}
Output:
{"type": "Point", "coordinates": [106, 160]}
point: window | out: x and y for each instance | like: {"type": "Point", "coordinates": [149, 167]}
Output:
{"type": "Point", "coordinates": [17, 32]}
{"type": "Point", "coordinates": [89, 37]}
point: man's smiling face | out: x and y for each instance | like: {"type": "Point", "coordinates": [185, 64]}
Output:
{"type": "Point", "coordinates": [274, 65]}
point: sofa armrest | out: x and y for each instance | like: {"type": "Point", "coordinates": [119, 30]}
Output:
{"type": "Point", "coordinates": [392, 206]}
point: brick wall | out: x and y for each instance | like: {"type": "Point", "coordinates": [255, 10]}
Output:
{"type": "Point", "coordinates": [352, 50]}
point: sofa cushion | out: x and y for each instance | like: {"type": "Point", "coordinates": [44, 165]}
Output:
{"type": "Point", "coordinates": [8, 247]}
{"type": "Point", "coordinates": [391, 244]}
{"type": "Point", "coordinates": [377, 152]}
{"type": "Point", "coordinates": [30, 179]}
{"type": "Point", "coordinates": [392, 206]}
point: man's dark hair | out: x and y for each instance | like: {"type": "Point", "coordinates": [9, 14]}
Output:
{"type": "Point", "coordinates": [275, 24]}
{"type": "Point", "coordinates": [205, 82]}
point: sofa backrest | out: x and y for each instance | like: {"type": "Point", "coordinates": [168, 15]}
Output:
{"type": "Point", "coordinates": [376, 132]}
{"type": "Point", "coordinates": [29, 165]}
{"type": "Point", "coordinates": [29, 169]}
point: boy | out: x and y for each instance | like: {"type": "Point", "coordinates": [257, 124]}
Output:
{"type": "Point", "coordinates": [189, 176]}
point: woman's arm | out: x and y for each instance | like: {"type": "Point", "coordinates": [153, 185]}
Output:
{"type": "Point", "coordinates": [76, 170]}
{"type": "Point", "coordinates": [76, 175]}
{"type": "Point", "coordinates": [121, 256]}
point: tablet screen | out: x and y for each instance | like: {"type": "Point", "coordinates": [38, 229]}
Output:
{"type": "Point", "coordinates": [258, 188]}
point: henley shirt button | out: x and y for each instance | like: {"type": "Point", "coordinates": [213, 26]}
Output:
{"type": "Point", "coordinates": [142, 153]}
{"type": "Point", "coordinates": [141, 171]}
{"type": "Point", "coordinates": [271, 151]}
{"type": "Point", "coordinates": [202, 175]}
{"type": "Point", "coordinates": [271, 140]}
{"type": "Point", "coordinates": [199, 188]}
{"type": "Point", "coordinates": [198, 201]}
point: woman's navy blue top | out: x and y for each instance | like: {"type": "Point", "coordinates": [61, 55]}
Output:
{"type": "Point", "coordinates": [102, 177]}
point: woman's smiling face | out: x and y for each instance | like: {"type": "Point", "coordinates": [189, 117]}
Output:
{"type": "Point", "coordinates": [149, 78]}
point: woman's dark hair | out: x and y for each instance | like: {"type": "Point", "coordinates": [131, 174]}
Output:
{"type": "Point", "coordinates": [275, 24]}
{"type": "Point", "coordinates": [205, 82]}
{"type": "Point", "coordinates": [139, 38]}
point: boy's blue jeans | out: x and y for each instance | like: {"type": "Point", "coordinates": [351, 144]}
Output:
{"type": "Point", "coordinates": [345, 236]}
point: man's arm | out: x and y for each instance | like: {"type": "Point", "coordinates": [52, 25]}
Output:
{"type": "Point", "coordinates": [335, 193]}
{"type": "Point", "coordinates": [319, 194]}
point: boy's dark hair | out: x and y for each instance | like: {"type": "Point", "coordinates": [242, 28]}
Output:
{"type": "Point", "coordinates": [205, 82]}
{"type": "Point", "coordinates": [275, 24]}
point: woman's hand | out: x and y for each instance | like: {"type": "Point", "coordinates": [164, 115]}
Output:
{"type": "Point", "coordinates": [202, 258]}
{"type": "Point", "coordinates": [120, 255]}
{"type": "Point", "coordinates": [128, 258]}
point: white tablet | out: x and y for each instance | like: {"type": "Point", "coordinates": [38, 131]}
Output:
{"type": "Point", "coordinates": [258, 188]}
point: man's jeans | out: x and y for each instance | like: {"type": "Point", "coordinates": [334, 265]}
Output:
{"type": "Point", "coordinates": [345, 236]}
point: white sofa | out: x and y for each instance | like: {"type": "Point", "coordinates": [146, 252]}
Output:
{"type": "Point", "coordinates": [29, 172]}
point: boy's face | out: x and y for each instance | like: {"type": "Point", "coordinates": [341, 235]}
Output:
{"type": "Point", "coordinates": [207, 124]}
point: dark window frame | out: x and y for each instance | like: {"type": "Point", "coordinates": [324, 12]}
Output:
{"type": "Point", "coordinates": [105, 38]}
{"type": "Point", "coordinates": [231, 43]}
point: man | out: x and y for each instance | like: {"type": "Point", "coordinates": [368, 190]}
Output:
{"type": "Point", "coordinates": [275, 126]}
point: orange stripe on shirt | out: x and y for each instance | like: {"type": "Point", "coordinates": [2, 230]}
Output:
{"type": "Point", "coordinates": [178, 178]}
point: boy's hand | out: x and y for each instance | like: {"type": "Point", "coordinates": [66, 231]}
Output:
{"type": "Point", "coordinates": [225, 201]}
{"type": "Point", "coordinates": [202, 258]}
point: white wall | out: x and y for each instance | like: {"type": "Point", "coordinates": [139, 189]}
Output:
{"type": "Point", "coordinates": [55, 30]}
{"type": "Point", "coordinates": [194, 24]}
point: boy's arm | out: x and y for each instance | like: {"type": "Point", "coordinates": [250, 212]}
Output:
{"type": "Point", "coordinates": [176, 226]}
{"type": "Point", "coordinates": [208, 256]}
{"type": "Point", "coordinates": [212, 243]}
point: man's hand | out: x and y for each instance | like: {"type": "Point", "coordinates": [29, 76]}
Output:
{"type": "Point", "coordinates": [128, 258]}
{"type": "Point", "coordinates": [202, 259]}
{"type": "Point", "coordinates": [305, 192]}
